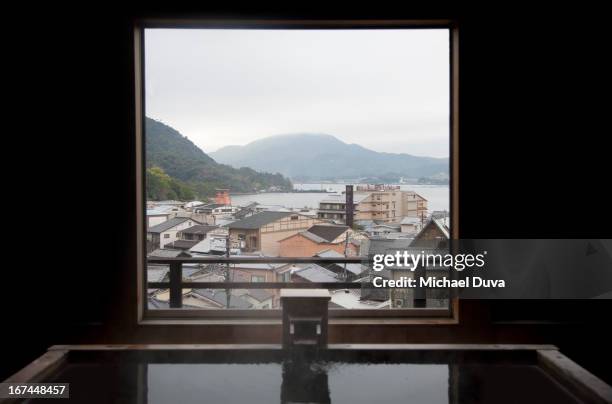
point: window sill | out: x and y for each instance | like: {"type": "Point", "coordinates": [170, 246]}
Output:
{"type": "Point", "coordinates": [210, 321]}
{"type": "Point", "coordinates": [277, 321]}
{"type": "Point", "coordinates": [394, 321]}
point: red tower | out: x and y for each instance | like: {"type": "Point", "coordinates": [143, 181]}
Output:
{"type": "Point", "coordinates": [223, 197]}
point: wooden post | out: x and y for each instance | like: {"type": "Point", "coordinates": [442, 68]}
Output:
{"type": "Point", "coordinates": [176, 291]}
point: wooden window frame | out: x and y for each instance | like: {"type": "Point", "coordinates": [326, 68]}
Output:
{"type": "Point", "coordinates": [339, 316]}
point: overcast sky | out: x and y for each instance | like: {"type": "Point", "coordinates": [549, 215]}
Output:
{"type": "Point", "coordinates": [387, 90]}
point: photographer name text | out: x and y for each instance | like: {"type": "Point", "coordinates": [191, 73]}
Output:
{"type": "Point", "coordinates": [405, 261]}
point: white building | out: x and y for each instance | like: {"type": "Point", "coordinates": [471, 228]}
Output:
{"type": "Point", "coordinates": [193, 204]}
{"type": "Point", "coordinates": [166, 232]}
{"type": "Point", "coordinates": [159, 214]}
{"type": "Point", "coordinates": [410, 224]}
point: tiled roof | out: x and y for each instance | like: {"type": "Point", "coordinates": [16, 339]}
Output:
{"type": "Point", "coordinates": [329, 253]}
{"type": "Point", "coordinates": [156, 274]}
{"type": "Point", "coordinates": [259, 294]}
{"type": "Point", "coordinates": [328, 232]}
{"type": "Point", "coordinates": [165, 253]}
{"type": "Point", "coordinates": [410, 220]}
{"type": "Point", "coordinates": [160, 210]}
{"type": "Point", "coordinates": [157, 304]}
{"type": "Point", "coordinates": [387, 246]}
{"type": "Point", "coordinates": [198, 229]}
{"type": "Point", "coordinates": [312, 237]}
{"type": "Point", "coordinates": [315, 273]}
{"type": "Point", "coordinates": [182, 244]}
{"type": "Point", "coordinates": [442, 226]}
{"type": "Point", "coordinates": [256, 265]}
{"type": "Point", "coordinates": [219, 296]}
{"type": "Point", "coordinates": [258, 220]}
{"type": "Point", "coordinates": [168, 224]}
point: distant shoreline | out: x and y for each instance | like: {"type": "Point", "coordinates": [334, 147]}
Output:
{"type": "Point", "coordinates": [292, 191]}
{"type": "Point", "coordinates": [328, 191]}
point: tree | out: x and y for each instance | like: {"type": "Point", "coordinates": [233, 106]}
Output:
{"type": "Point", "coordinates": [161, 186]}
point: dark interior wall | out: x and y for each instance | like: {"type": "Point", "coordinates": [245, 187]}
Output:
{"type": "Point", "coordinates": [533, 164]}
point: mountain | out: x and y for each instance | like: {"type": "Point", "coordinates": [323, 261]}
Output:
{"type": "Point", "coordinates": [177, 167]}
{"type": "Point", "coordinates": [324, 157]}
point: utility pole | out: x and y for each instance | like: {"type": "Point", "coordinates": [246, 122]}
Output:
{"type": "Point", "coordinates": [349, 206]}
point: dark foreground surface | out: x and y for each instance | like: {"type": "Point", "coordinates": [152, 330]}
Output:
{"type": "Point", "coordinates": [269, 376]}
